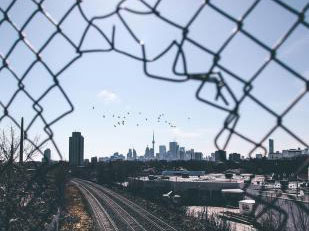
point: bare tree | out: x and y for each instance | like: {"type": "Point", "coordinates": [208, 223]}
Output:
{"type": "Point", "coordinates": [19, 191]}
{"type": "Point", "coordinates": [10, 144]}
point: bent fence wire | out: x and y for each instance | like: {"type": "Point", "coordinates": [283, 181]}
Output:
{"type": "Point", "coordinates": [225, 99]}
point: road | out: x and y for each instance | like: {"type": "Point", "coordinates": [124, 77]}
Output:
{"type": "Point", "coordinates": [113, 211]}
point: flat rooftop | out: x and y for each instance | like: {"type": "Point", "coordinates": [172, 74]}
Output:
{"type": "Point", "coordinates": [215, 178]}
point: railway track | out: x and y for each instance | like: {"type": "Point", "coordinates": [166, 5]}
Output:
{"type": "Point", "coordinates": [128, 219]}
{"type": "Point", "coordinates": [125, 214]}
{"type": "Point", "coordinates": [158, 223]}
{"type": "Point", "coordinates": [103, 220]}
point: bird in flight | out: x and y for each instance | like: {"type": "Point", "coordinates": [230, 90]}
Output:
{"type": "Point", "coordinates": [123, 119]}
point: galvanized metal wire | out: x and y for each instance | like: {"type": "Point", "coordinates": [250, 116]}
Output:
{"type": "Point", "coordinates": [225, 99]}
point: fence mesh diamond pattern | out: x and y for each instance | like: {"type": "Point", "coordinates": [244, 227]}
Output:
{"type": "Point", "coordinates": [225, 98]}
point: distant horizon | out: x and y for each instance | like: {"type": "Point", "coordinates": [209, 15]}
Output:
{"type": "Point", "coordinates": [186, 149]}
{"type": "Point", "coordinates": [101, 85]}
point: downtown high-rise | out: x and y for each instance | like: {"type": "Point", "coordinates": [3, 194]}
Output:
{"type": "Point", "coordinates": [76, 149]}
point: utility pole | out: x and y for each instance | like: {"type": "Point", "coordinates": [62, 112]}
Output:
{"type": "Point", "coordinates": [297, 189]}
{"type": "Point", "coordinates": [21, 144]}
{"type": "Point", "coordinates": [153, 144]}
{"type": "Point", "coordinates": [12, 152]}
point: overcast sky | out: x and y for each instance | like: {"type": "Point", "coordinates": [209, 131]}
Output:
{"type": "Point", "coordinates": [116, 85]}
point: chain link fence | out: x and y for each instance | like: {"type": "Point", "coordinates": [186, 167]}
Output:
{"type": "Point", "coordinates": [216, 74]}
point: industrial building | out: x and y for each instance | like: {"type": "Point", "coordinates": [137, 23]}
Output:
{"type": "Point", "coordinates": [193, 186]}
{"type": "Point", "coordinates": [182, 173]}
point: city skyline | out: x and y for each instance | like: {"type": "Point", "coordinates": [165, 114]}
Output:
{"type": "Point", "coordinates": [174, 151]}
{"type": "Point", "coordinates": [122, 86]}
{"type": "Point", "coordinates": [171, 115]}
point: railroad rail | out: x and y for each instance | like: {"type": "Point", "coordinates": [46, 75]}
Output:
{"type": "Point", "coordinates": [133, 217]}
{"type": "Point", "coordinates": [103, 219]}
{"type": "Point", "coordinates": [157, 222]}
{"type": "Point", "coordinates": [132, 223]}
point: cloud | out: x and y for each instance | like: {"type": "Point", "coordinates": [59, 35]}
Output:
{"type": "Point", "coordinates": [108, 96]}
{"type": "Point", "coordinates": [185, 134]}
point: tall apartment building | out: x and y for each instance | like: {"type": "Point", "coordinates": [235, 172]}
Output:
{"type": "Point", "coordinates": [271, 146]}
{"type": "Point", "coordinates": [46, 156]}
{"type": "Point", "coordinates": [220, 155]}
{"type": "Point", "coordinates": [76, 149]}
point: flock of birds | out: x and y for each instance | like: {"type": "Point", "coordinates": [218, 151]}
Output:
{"type": "Point", "coordinates": [122, 120]}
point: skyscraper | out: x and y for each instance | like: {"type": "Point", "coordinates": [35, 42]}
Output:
{"type": "Point", "coordinates": [151, 153]}
{"type": "Point", "coordinates": [198, 156]}
{"type": "Point", "coordinates": [189, 154]}
{"type": "Point", "coordinates": [174, 149]}
{"type": "Point", "coordinates": [162, 149]}
{"type": "Point", "coordinates": [134, 154]}
{"type": "Point", "coordinates": [234, 156]}
{"type": "Point", "coordinates": [147, 152]}
{"type": "Point", "coordinates": [46, 156]}
{"type": "Point", "coordinates": [76, 149]}
{"type": "Point", "coordinates": [182, 153]}
{"type": "Point", "coordinates": [220, 155]}
{"type": "Point", "coordinates": [271, 146]}
{"type": "Point", "coordinates": [94, 160]}
{"type": "Point", "coordinates": [129, 154]}
{"type": "Point", "coordinates": [162, 152]}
